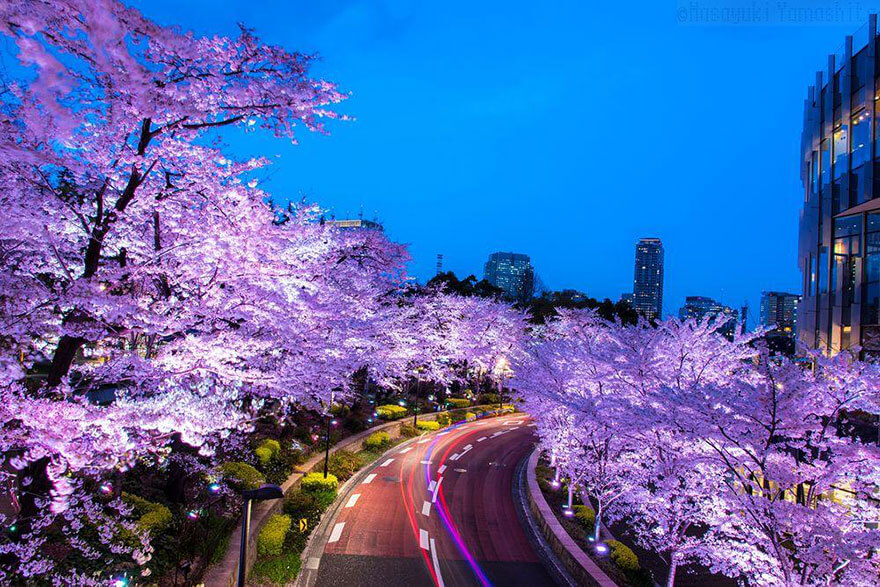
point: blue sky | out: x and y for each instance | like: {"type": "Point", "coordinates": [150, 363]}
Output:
{"type": "Point", "coordinates": [563, 130]}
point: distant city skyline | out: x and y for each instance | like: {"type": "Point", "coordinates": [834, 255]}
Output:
{"type": "Point", "coordinates": [457, 142]}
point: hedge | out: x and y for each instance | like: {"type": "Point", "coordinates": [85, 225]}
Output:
{"type": "Point", "coordinates": [408, 430]}
{"type": "Point", "coordinates": [316, 482]}
{"type": "Point", "coordinates": [391, 412]}
{"type": "Point", "coordinates": [377, 441]}
{"type": "Point", "coordinates": [456, 402]}
{"type": "Point", "coordinates": [271, 537]}
{"type": "Point", "coordinates": [154, 517]}
{"type": "Point", "coordinates": [489, 398]}
{"type": "Point", "coordinates": [623, 556]}
{"type": "Point", "coordinates": [342, 464]}
{"type": "Point", "coordinates": [427, 425]}
{"type": "Point", "coordinates": [241, 476]}
{"type": "Point", "coordinates": [470, 416]}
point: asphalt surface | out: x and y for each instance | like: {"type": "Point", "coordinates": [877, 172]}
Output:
{"type": "Point", "coordinates": [437, 510]}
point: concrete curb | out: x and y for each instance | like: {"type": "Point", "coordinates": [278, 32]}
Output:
{"type": "Point", "coordinates": [581, 566]}
{"type": "Point", "coordinates": [225, 573]}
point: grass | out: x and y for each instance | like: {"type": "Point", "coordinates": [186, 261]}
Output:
{"type": "Point", "coordinates": [277, 570]}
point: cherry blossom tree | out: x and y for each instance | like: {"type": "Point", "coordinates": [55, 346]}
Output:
{"type": "Point", "coordinates": [139, 254]}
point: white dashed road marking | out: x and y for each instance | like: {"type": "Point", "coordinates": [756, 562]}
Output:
{"type": "Point", "coordinates": [426, 508]}
{"type": "Point", "coordinates": [352, 500]}
{"type": "Point", "coordinates": [441, 469]}
{"type": "Point", "coordinates": [482, 438]}
{"type": "Point", "coordinates": [423, 539]}
{"type": "Point", "coordinates": [437, 490]}
{"type": "Point", "coordinates": [337, 532]}
{"type": "Point", "coordinates": [369, 478]}
{"type": "Point", "coordinates": [432, 486]}
{"type": "Point", "coordinates": [386, 463]}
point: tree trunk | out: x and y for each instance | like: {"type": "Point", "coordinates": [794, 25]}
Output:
{"type": "Point", "coordinates": [597, 523]}
{"type": "Point", "coordinates": [673, 566]}
{"type": "Point", "coordinates": [63, 358]}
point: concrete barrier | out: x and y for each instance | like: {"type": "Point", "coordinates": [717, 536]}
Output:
{"type": "Point", "coordinates": [576, 561]}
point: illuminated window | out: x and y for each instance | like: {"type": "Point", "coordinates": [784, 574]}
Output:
{"type": "Point", "coordinates": [839, 150]}
{"type": "Point", "coordinates": [861, 137]}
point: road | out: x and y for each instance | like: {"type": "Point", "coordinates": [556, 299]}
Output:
{"type": "Point", "coordinates": [437, 510]}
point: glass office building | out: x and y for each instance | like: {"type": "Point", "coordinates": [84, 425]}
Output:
{"type": "Point", "coordinates": [839, 241]}
{"type": "Point", "coordinates": [511, 272]}
{"type": "Point", "coordinates": [648, 278]}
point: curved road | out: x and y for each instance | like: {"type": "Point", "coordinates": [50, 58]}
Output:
{"type": "Point", "coordinates": [436, 510]}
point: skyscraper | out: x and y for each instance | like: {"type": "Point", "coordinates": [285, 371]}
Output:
{"type": "Point", "coordinates": [839, 248]}
{"type": "Point", "coordinates": [513, 273]}
{"type": "Point", "coordinates": [648, 279]}
{"type": "Point", "coordinates": [779, 311]}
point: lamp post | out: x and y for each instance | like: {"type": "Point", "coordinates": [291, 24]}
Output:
{"type": "Point", "coordinates": [261, 493]}
{"type": "Point", "coordinates": [327, 444]}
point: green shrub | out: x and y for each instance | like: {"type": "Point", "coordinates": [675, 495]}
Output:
{"type": "Point", "coordinates": [456, 402]}
{"type": "Point", "coordinates": [343, 464]}
{"type": "Point", "coordinates": [241, 476]}
{"type": "Point", "coordinates": [427, 425]}
{"type": "Point", "coordinates": [444, 420]}
{"type": "Point", "coordinates": [271, 537]}
{"type": "Point", "coordinates": [470, 416]}
{"type": "Point", "coordinates": [273, 445]}
{"type": "Point", "coordinates": [586, 515]}
{"type": "Point", "coordinates": [391, 412]}
{"type": "Point", "coordinates": [623, 556]}
{"type": "Point", "coordinates": [408, 430]}
{"type": "Point", "coordinates": [316, 483]}
{"type": "Point", "coordinates": [377, 441]}
{"type": "Point", "coordinates": [154, 517]}
{"type": "Point", "coordinates": [263, 454]}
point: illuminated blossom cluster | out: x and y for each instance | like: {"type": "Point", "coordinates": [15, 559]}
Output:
{"type": "Point", "coordinates": [709, 450]}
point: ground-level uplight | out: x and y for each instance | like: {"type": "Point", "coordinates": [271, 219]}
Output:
{"type": "Point", "coordinates": [214, 487]}
{"type": "Point", "coordinates": [262, 493]}
{"type": "Point", "coordinates": [602, 548]}
{"type": "Point", "coordinates": [567, 512]}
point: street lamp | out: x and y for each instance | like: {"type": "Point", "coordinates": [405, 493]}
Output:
{"type": "Point", "coordinates": [261, 493]}
{"type": "Point", "coordinates": [327, 444]}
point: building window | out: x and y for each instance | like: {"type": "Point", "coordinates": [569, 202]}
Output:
{"type": "Point", "coordinates": [825, 157]}
{"type": "Point", "coordinates": [861, 137]}
{"type": "Point", "coordinates": [822, 270]}
{"type": "Point", "coordinates": [840, 150]}
{"type": "Point", "coordinates": [814, 174]}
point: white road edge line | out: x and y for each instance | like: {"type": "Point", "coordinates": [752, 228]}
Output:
{"type": "Point", "coordinates": [369, 478]}
{"type": "Point", "coordinates": [423, 539]}
{"type": "Point", "coordinates": [386, 463]}
{"type": "Point", "coordinates": [436, 564]}
{"type": "Point", "coordinates": [426, 508]}
{"type": "Point", "coordinates": [337, 532]}
{"type": "Point", "coordinates": [482, 439]}
{"type": "Point", "coordinates": [431, 486]}
{"type": "Point", "coordinates": [352, 500]}
{"type": "Point", "coordinates": [407, 449]}
{"type": "Point", "coordinates": [441, 469]}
